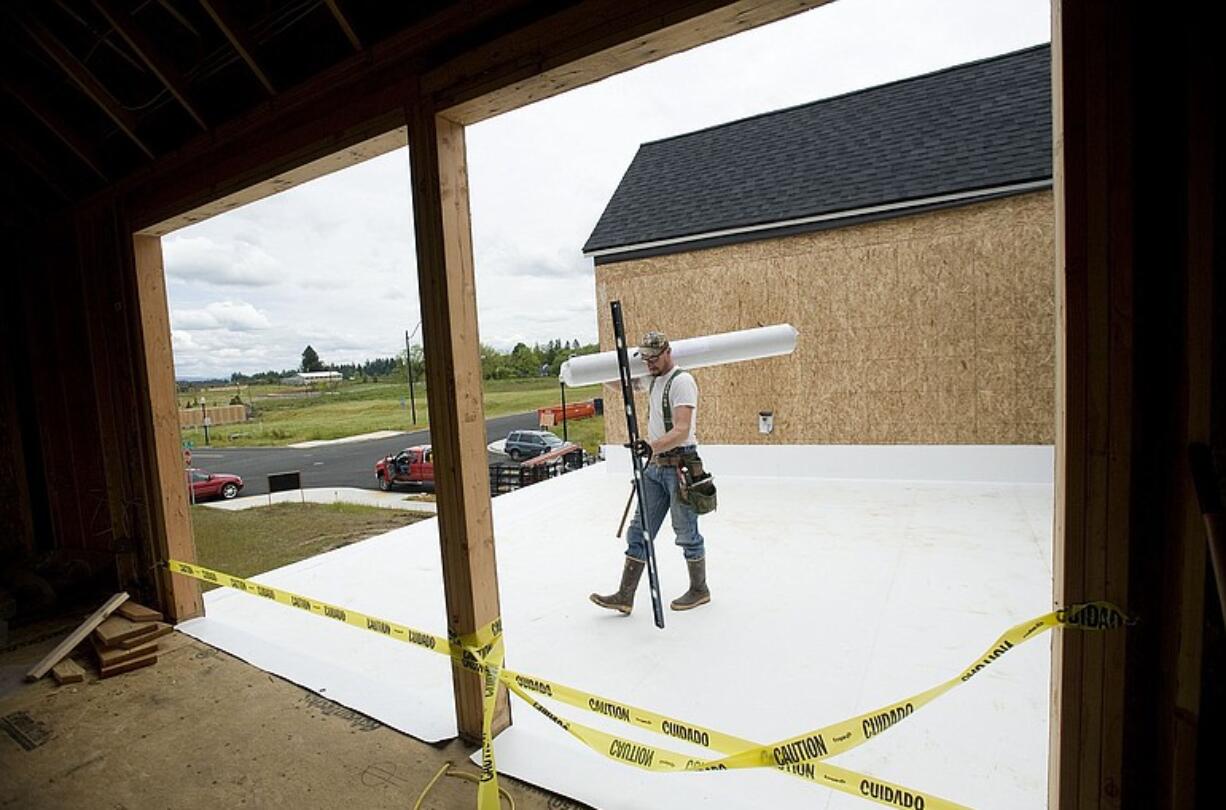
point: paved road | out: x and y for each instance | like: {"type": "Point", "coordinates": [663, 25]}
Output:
{"type": "Point", "coordinates": [332, 465]}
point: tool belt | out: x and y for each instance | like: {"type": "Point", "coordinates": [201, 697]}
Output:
{"type": "Point", "coordinates": [669, 459]}
{"type": "Point", "coordinates": [696, 486]}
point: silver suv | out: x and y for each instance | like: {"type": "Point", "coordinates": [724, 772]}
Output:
{"type": "Point", "coordinates": [522, 444]}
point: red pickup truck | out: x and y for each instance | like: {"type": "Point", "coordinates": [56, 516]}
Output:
{"type": "Point", "coordinates": [412, 465]}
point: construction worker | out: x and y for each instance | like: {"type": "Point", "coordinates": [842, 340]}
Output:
{"type": "Point", "coordinates": [669, 449]}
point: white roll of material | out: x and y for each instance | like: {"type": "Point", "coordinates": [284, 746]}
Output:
{"type": "Point", "coordinates": [689, 353]}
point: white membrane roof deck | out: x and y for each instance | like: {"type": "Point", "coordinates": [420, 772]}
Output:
{"type": "Point", "coordinates": [842, 579]}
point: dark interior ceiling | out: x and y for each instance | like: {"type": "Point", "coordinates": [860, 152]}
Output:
{"type": "Point", "coordinates": [96, 90]}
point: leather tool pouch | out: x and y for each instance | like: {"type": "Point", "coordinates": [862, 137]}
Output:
{"type": "Point", "coordinates": [697, 486]}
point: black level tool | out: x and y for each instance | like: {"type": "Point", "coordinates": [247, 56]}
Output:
{"type": "Point", "coordinates": [632, 431]}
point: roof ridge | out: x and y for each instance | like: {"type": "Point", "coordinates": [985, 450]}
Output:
{"type": "Point", "coordinates": [862, 91]}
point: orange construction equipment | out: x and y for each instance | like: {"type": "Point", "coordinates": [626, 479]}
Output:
{"type": "Point", "coordinates": [574, 410]}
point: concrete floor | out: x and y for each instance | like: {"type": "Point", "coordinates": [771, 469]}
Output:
{"type": "Point", "coordinates": [202, 728]}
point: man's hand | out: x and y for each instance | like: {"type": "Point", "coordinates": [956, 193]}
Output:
{"type": "Point", "coordinates": [640, 447]}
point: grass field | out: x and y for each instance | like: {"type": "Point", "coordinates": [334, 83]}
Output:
{"type": "Point", "coordinates": [287, 414]}
{"type": "Point", "coordinates": [587, 433]}
{"type": "Point", "coordinates": [250, 541]}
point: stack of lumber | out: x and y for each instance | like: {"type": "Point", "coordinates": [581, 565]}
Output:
{"type": "Point", "coordinates": [128, 639]}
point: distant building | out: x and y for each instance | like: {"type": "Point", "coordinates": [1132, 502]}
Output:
{"type": "Point", "coordinates": [906, 230]}
{"type": "Point", "coordinates": [313, 378]}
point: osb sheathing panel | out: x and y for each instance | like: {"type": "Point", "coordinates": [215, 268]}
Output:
{"type": "Point", "coordinates": [937, 328]}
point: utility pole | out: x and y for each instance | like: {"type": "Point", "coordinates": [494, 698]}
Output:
{"type": "Point", "coordinates": [408, 369]}
{"type": "Point", "coordinates": [204, 420]}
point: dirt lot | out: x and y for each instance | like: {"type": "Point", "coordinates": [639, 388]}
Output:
{"type": "Point", "coordinates": [201, 728]}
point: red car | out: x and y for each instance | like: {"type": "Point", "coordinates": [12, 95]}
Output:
{"type": "Point", "coordinates": [412, 465]}
{"type": "Point", "coordinates": [214, 485]}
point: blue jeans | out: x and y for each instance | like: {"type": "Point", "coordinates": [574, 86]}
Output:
{"type": "Point", "coordinates": [661, 494]}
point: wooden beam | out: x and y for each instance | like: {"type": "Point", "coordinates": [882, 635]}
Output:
{"type": "Point", "coordinates": [1092, 534]}
{"type": "Point", "coordinates": [342, 156]}
{"type": "Point", "coordinates": [85, 80]}
{"type": "Point", "coordinates": [453, 386]}
{"type": "Point", "coordinates": [57, 126]}
{"type": "Point", "coordinates": [147, 50]}
{"type": "Point", "coordinates": [239, 38]}
{"type": "Point", "coordinates": [34, 160]}
{"type": "Point", "coordinates": [179, 596]}
{"type": "Point", "coordinates": [583, 44]}
{"type": "Point", "coordinates": [355, 100]}
{"type": "Point", "coordinates": [338, 14]}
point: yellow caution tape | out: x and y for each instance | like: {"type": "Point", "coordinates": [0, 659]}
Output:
{"type": "Point", "coordinates": [837, 738]}
{"type": "Point", "coordinates": [480, 651]}
{"type": "Point", "coordinates": [801, 755]}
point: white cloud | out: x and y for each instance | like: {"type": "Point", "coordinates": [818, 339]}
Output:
{"type": "Point", "coordinates": [235, 262]}
{"type": "Point", "coordinates": [234, 316]}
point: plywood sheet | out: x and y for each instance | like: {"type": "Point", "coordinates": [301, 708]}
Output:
{"type": "Point", "coordinates": [160, 629]}
{"type": "Point", "coordinates": [135, 612]}
{"type": "Point", "coordinates": [875, 305]}
{"type": "Point", "coordinates": [128, 666]}
{"type": "Point", "coordinates": [117, 629]}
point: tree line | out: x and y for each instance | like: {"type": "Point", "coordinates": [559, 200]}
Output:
{"type": "Point", "coordinates": [537, 360]}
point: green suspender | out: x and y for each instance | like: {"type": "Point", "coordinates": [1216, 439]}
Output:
{"type": "Point", "coordinates": [668, 406]}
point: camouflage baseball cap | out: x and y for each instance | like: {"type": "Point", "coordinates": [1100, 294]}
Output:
{"type": "Point", "coordinates": [652, 344]}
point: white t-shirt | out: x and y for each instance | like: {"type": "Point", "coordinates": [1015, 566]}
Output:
{"type": "Point", "coordinates": [683, 391]}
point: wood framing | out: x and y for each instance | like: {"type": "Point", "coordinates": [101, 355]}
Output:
{"type": "Point", "coordinates": [240, 40]}
{"type": "Point", "coordinates": [179, 596]}
{"type": "Point", "coordinates": [56, 126]}
{"type": "Point", "coordinates": [149, 53]}
{"type": "Point", "coordinates": [1135, 231]}
{"type": "Point", "coordinates": [454, 390]}
{"type": "Point", "coordinates": [1093, 395]}
{"type": "Point", "coordinates": [584, 44]}
{"type": "Point", "coordinates": [85, 80]}
{"type": "Point", "coordinates": [343, 23]}
{"type": "Point", "coordinates": [1136, 174]}
{"type": "Point", "coordinates": [360, 98]}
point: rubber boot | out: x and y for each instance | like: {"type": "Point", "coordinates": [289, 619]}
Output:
{"type": "Point", "coordinates": [698, 593]}
{"type": "Point", "coordinates": [623, 600]}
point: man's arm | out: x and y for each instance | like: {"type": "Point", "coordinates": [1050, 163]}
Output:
{"type": "Point", "coordinates": [683, 416]}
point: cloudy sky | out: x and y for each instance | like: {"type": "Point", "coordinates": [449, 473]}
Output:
{"type": "Point", "coordinates": [331, 262]}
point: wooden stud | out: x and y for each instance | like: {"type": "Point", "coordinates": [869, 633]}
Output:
{"type": "Point", "coordinates": [1091, 537]}
{"type": "Point", "coordinates": [57, 126]}
{"type": "Point", "coordinates": [33, 159]}
{"type": "Point", "coordinates": [1184, 595]}
{"type": "Point", "coordinates": [239, 39]}
{"type": "Point", "coordinates": [75, 637]}
{"type": "Point", "coordinates": [85, 80]}
{"type": "Point", "coordinates": [147, 50]}
{"type": "Point", "coordinates": [453, 386]}
{"type": "Point", "coordinates": [338, 14]}
{"type": "Point", "coordinates": [179, 595]}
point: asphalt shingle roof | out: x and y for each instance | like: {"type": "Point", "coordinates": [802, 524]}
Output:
{"type": "Point", "coordinates": [980, 125]}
